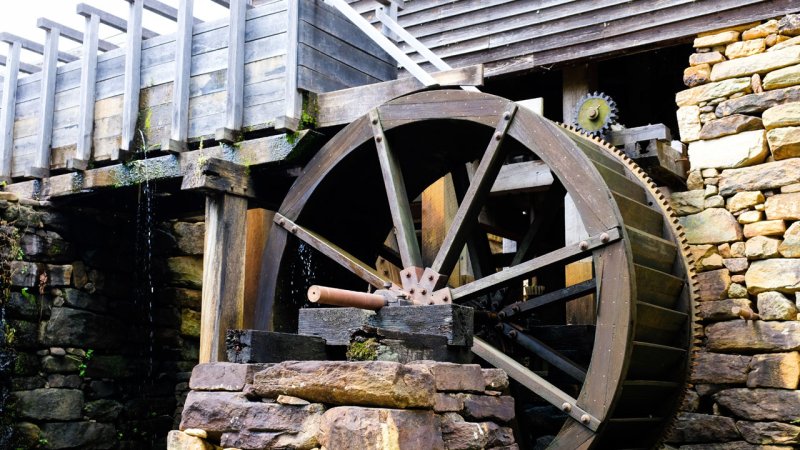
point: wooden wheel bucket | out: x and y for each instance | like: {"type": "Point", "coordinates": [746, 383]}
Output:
{"type": "Point", "coordinates": [360, 186]}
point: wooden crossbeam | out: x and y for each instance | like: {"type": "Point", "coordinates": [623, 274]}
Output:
{"type": "Point", "coordinates": [110, 20]}
{"type": "Point", "coordinates": [34, 47]}
{"type": "Point", "coordinates": [71, 33]}
{"type": "Point", "coordinates": [23, 67]}
{"type": "Point", "coordinates": [217, 176]}
{"type": "Point", "coordinates": [227, 3]}
{"type": "Point", "coordinates": [166, 11]}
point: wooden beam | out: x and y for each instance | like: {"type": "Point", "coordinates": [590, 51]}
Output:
{"type": "Point", "coordinates": [9, 111]}
{"type": "Point", "coordinates": [72, 34]}
{"type": "Point", "coordinates": [259, 222]}
{"type": "Point", "coordinates": [23, 67]}
{"type": "Point", "coordinates": [517, 178]}
{"type": "Point", "coordinates": [223, 273]}
{"type": "Point", "coordinates": [132, 78]}
{"type": "Point", "coordinates": [83, 149]}
{"type": "Point", "coordinates": [111, 20]}
{"type": "Point", "coordinates": [35, 47]}
{"type": "Point", "coordinates": [47, 99]}
{"type": "Point", "coordinates": [625, 136]}
{"type": "Point", "coordinates": [234, 103]}
{"type": "Point", "coordinates": [294, 99]}
{"type": "Point", "coordinates": [168, 12]}
{"type": "Point", "coordinates": [217, 176]}
{"type": "Point", "coordinates": [179, 127]}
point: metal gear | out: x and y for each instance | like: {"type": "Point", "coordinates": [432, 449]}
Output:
{"type": "Point", "coordinates": [595, 112]}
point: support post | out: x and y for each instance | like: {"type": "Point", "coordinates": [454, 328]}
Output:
{"type": "Point", "coordinates": [9, 110]}
{"type": "Point", "coordinates": [234, 105]}
{"type": "Point", "coordinates": [132, 78]}
{"type": "Point", "coordinates": [439, 206]}
{"type": "Point", "coordinates": [294, 100]}
{"type": "Point", "coordinates": [259, 223]}
{"type": "Point", "coordinates": [83, 150]}
{"type": "Point", "coordinates": [578, 80]}
{"type": "Point", "coordinates": [179, 128]}
{"type": "Point", "coordinates": [41, 162]}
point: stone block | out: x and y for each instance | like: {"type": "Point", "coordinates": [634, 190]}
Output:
{"type": "Point", "coordinates": [736, 265]}
{"type": "Point", "coordinates": [713, 40]}
{"type": "Point", "coordinates": [760, 31]}
{"type": "Point", "coordinates": [757, 103]}
{"type": "Point", "coordinates": [480, 407]}
{"type": "Point", "coordinates": [770, 175]}
{"type": "Point", "coordinates": [49, 404]}
{"type": "Point", "coordinates": [222, 376]}
{"type": "Point", "coordinates": [750, 217]}
{"type": "Point", "coordinates": [760, 63]}
{"type": "Point", "coordinates": [774, 275]}
{"type": "Point", "coordinates": [744, 200]}
{"type": "Point", "coordinates": [784, 142]}
{"type": "Point", "coordinates": [696, 59]}
{"type": "Point", "coordinates": [453, 377]}
{"type": "Point", "coordinates": [689, 123]}
{"type": "Point", "coordinates": [495, 379]}
{"type": "Point", "coordinates": [461, 435]}
{"type": "Point", "coordinates": [745, 48]}
{"type": "Point", "coordinates": [178, 440]}
{"type": "Point", "coordinates": [711, 226]}
{"type": "Point", "coordinates": [752, 336]}
{"type": "Point", "coordinates": [258, 439]}
{"type": "Point", "coordinates": [710, 263]}
{"type": "Point", "coordinates": [190, 237]}
{"type": "Point", "coordinates": [783, 206]}
{"type": "Point", "coordinates": [761, 433]}
{"type": "Point", "coordinates": [721, 309]}
{"type": "Point", "coordinates": [737, 291]}
{"type": "Point", "coordinates": [689, 202]}
{"type": "Point", "coordinates": [85, 435]}
{"type": "Point", "coordinates": [782, 78]}
{"type": "Point", "coordinates": [737, 150]}
{"type": "Point", "coordinates": [789, 25]}
{"type": "Point", "coordinates": [713, 285]}
{"type": "Point", "coordinates": [775, 306]}
{"type": "Point", "coordinates": [186, 271]}
{"type": "Point", "coordinates": [694, 180]}
{"type": "Point", "coordinates": [368, 383]}
{"type": "Point", "coordinates": [761, 247]}
{"type": "Point", "coordinates": [733, 445]}
{"type": "Point", "coordinates": [765, 228]}
{"type": "Point", "coordinates": [761, 404]}
{"type": "Point", "coordinates": [692, 427]}
{"type": "Point", "coordinates": [790, 247]}
{"type": "Point", "coordinates": [755, 84]}
{"type": "Point", "coordinates": [696, 75]}
{"type": "Point", "coordinates": [103, 410]}
{"type": "Point", "coordinates": [190, 322]}
{"type": "Point", "coordinates": [718, 368]}
{"type": "Point", "coordinates": [710, 91]}
{"type": "Point", "coordinates": [729, 125]}
{"type": "Point", "coordinates": [69, 327]}
{"type": "Point", "coordinates": [775, 39]}
{"type": "Point", "coordinates": [786, 115]}
{"type": "Point", "coordinates": [349, 427]}
{"type": "Point", "coordinates": [777, 370]}
{"type": "Point", "coordinates": [444, 402]}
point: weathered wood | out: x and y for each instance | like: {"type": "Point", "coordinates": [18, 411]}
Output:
{"type": "Point", "coordinates": [179, 126]}
{"type": "Point", "coordinates": [110, 20]}
{"type": "Point", "coordinates": [72, 34]}
{"type": "Point", "coordinates": [234, 107]}
{"type": "Point", "coordinates": [405, 347]}
{"type": "Point", "coordinates": [545, 352]}
{"type": "Point", "coordinates": [651, 251]}
{"type": "Point", "coordinates": [257, 346]}
{"type": "Point", "coordinates": [336, 325]}
{"type": "Point", "coordinates": [168, 12]}
{"type": "Point", "coordinates": [639, 216]}
{"type": "Point", "coordinates": [637, 134]}
{"type": "Point", "coordinates": [439, 206]}
{"type": "Point", "coordinates": [35, 47]}
{"type": "Point", "coordinates": [217, 176]}
{"type": "Point", "coordinates": [561, 295]}
{"type": "Point", "coordinates": [41, 163]}
{"type": "Point", "coordinates": [259, 223]}
{"type": "Point", "coordinates": [132, 78]}
{"type": "Point", "coordinates": [658, 325]}
{"type": "Point", "coordinates": [517, 178]}
{"type": "Point", "coordinates": [223, 273]}
{"type": "Point", "coordinates": [8, 111]}
{"type": "Point", "coordinates": [293, 97]}
{"type": "Point", "coordinates": [83, 151]}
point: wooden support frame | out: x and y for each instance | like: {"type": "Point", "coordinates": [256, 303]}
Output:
{"type": "Point", "coordinates": [214, 175]}
{"type": "Point", "coordinates": [132, 77]}
{"type": "Point", "coordinates": [41, 162]}
{"type": "Point", "coordinates": [35, 47]}
{"type": "Point", "coordinates": [72, 34]}
{"type": "Point", "coordinates": [83, 149]}
{"type": "Point", "coordinates": [179, 127]}
{"type": "Point", "coordinates": [9, 110]}
{"type": "Point", "coordinates": [234, 103]}
{"type": "Point", "coordinates": [168, 12]}
{"type": "Point", "coordinates": [23, 67]}
{"type": "Point", "coordinates": [110, 20]}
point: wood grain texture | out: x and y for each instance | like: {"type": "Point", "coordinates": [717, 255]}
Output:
{"type": "Point", "coordinates": [259, 223]}
{"type": "Point", "coordinates": [9, 111]}
{"type": "Point", "coordinates": [132, 78]}
{"type": "Point", "coordinates": [41, 163]}
{"type": "Point", "coordinates": [83, 152]}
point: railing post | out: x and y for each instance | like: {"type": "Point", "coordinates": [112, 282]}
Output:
{"type": "Point", "coordinates": [9, 110]}
{"type": "Point", "coordinates": [234, 106]}
{"type": "Point", "coordinates": [294, 100]}
{"type": "Point", "coordinates": [179, 128]}
{"type": "Point", "coordinates": [83, 151]}
{"type": "Point", "coordinates": [41, 162]}
{"type": "Point", "coordinates": [132, 78]}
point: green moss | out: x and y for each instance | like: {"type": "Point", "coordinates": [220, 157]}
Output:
{"type": "Point", "coordinates": [363, 351]}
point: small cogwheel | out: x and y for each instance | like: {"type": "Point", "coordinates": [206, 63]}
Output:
{"type": "Point", "coordinates": [595, 113]}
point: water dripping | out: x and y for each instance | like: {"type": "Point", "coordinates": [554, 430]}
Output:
{"type": "Point", "coordinates": [144, 253]}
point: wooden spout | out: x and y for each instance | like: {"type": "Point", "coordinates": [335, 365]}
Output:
{"type": "Point", "coordinates": [341, 297]}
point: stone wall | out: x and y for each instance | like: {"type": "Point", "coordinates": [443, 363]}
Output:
{"type": "Point", "coordinates": [741, 120]}
{"type": "Point", "coordinates": [346, 405]}
{"type": "Point", "coordinates": [102, 342]}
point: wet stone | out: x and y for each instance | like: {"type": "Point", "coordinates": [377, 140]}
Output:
{"type": "Point", "coordinates": [751, 336]}
{"type": "Point", "coordinates": [726, 126]}
{"type": "Point", "coordinates": [488, 407]}
{"type": "Point", "coordinates": [761, 404]}
{"type": "Point", "coordinates": [722, 309]}
{"type": "Point", "coordinates": [49, 404]}
{"type": "Point", "coordinates": [769, 432]}
{"type": "Point", "coordinates": [720, 368]}
{"type": "Point", "coordinates": [348, 427]}
{"type": "Point", "coordinates": [777, 370]}
{"type": "Point", "coordinates": [691, 427]}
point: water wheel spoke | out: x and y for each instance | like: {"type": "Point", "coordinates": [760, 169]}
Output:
{"type": "Point", "coordinates": [478, 249]}
{"type": "Point", "coordinates": [534, 383]}
{"type": "Point", "coordinates": [521, 309]}
{"type": "Point", "coordinates": [334, 252]}
{"type": "Point", "coordinates": [397, 197]}
{"type": "Point", "coordinates": [479, 188]}
{"type": "Point", "coordinates": [544, 351]}
{"type": "Point", "coordinates": [564, 255]}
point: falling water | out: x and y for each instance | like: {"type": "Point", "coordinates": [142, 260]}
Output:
{"type": "Point", "coordinates": [144, 253]}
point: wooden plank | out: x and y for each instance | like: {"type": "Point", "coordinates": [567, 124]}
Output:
{"type": "Point", "coordinates": [41, 163]}
{"type": "Point", "coordinates": [23, 67]}
{"type": "Point", "coordinates": [651, 251]}
{"type": "Point", "coordinates": [439, 206]}
{"type": "Point", "coordinates": [320, 62]}
{"type": "Point", "coordinates": [259, 222]}
{"type": "Point", "coordinates": [235, 88]}
{"type": "Point", "coordinates": [545, 352]}
{"type": "Point", "coordinates": [35, 47]}
{"type": "Point", "coordinates": [524, 177]}
{"type": "Point", "coordinates": [83, 151]}
{"type": "Point", "coordinates": [167, 11]}
{"type": "Point", "coordinates": [223, 273]}
{"type": "Point", "coordinates": [111, 20]}
{"type": "Point", "coordinates": [294, 99]}
{"type": "Point", "coordinates": [8, 111]}
{"type": "Point", "coordinates": [72, 34]}
{"type": "Point", "coordinates": [637, 134]}
{"type": "Point", "coordinates": [179, 125]}
{"type": "Point", "coordinates": [132, 78]}
{"type": "Point", "coordinates": [257, 346]}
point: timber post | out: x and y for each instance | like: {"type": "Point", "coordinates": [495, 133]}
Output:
{"type": "Point", "coordinates": [132, 78]}
{"type": "Point", "coordinates": [8, 111]}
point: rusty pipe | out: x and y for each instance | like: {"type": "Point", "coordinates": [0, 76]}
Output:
{"type": "Point", "coordinates": [341, 297]}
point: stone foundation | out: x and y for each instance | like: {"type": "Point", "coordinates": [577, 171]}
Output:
{"type": "Point", "coordinates": [346, 405]}
{"type": "Point", "coordinates": [741, 119]}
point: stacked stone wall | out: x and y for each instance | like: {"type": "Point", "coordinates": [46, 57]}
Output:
{"type": "Point", "coordinates": [102, 350]}
{"type": "Point", "coordinates": [346, 405]}
{"type": "Point", "coordinates": [741, 120]}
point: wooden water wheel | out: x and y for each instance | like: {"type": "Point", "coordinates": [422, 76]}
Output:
{"type": "Point", "coordinates": [615, 382]}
